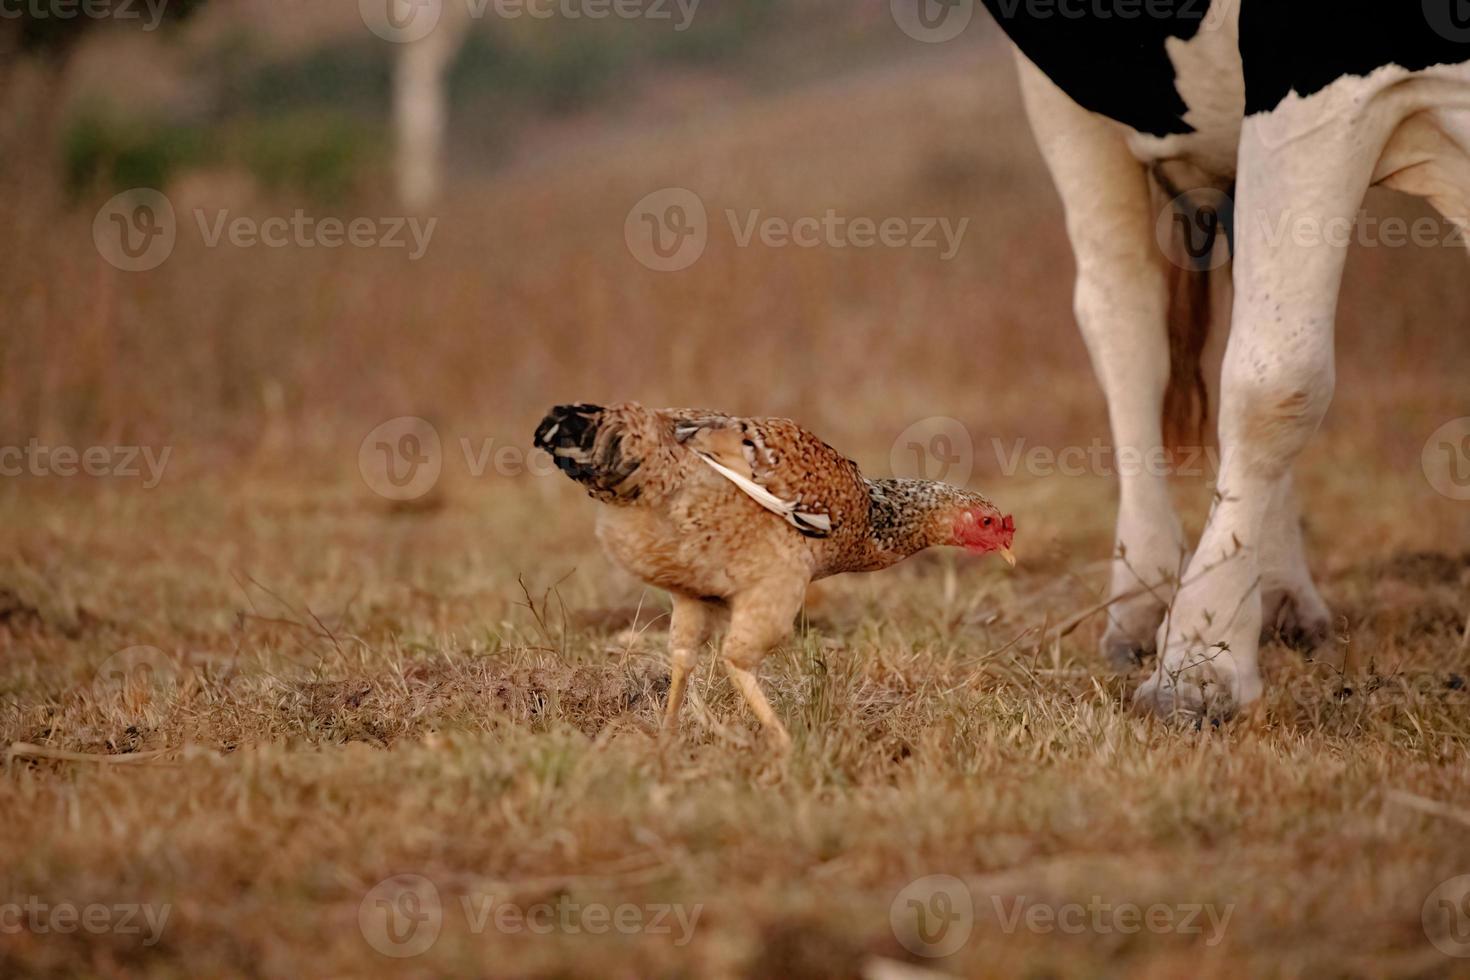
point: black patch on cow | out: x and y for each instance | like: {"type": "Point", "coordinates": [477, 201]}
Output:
{"type": "Point", "coordinates": [1109, 55]}
{"type": "Point", "coordinates": [1303, 46]}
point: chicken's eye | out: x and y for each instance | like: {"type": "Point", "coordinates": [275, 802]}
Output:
{"type": "Point", "coordinates": [986, 522]}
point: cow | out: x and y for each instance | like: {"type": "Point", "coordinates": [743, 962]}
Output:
{"type": "Point", "coordinates": [1291, 109]}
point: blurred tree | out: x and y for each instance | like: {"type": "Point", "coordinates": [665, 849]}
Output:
{"type": "Point", "coordinates": [421, 106]}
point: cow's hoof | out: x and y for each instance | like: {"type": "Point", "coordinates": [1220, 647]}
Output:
{"type": "Point", "coordinates": [1298, 618]}
{"type": "Point", "coordinates": [1132, 633]}
{"type": "Point", "coordinates": [1192, 697]}
{"type": "Point", "coordinates": [1123, 653]}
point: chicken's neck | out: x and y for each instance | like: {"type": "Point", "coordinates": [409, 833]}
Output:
{"type": "Point", "coordinates": [901, 520]}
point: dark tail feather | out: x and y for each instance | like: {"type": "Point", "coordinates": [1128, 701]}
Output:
{"type": "Point", "coordinates": [586, 443]}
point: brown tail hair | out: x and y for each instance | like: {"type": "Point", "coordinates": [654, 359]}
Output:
{"type": "Point", "coordinates": [1186, 397]}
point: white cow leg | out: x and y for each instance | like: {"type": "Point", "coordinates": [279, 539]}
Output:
{"type": "Point", "coordinates": [1121, 303]}
{"type": "Point", "coordinates": [1129, 351]}
{"type": "Point", "coordinates": [1291, 607]}
{"type": "Point", "coordinates": [1296, 202]}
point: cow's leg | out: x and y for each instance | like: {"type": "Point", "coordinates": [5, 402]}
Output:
{"type": "Point", "coordinates": [1291, 606]}
{"type": "Point", "coordinates": [1298, 192]}
{"type": "Point", "coordinates": [1121, 302]}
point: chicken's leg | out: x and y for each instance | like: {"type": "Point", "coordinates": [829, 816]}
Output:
{"type": "Point", "coordinates": [759, 620]}
{"type": "Point", "coordinates": [750, 688]}
{"type": "Point", "coordinates": [689, 628]}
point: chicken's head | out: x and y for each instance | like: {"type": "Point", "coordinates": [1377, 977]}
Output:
{"type": "Point", "coordinates": [982, 528]}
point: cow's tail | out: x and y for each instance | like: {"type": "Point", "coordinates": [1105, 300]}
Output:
{"type": "Point", "coordinates": [1186, 397]}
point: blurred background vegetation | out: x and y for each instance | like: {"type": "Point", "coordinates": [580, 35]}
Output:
{"type": "Point", "coordinates": [306, 106]}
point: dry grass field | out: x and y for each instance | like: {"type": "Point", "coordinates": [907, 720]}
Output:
{"type": "Point", "coordinates": [252, 701]}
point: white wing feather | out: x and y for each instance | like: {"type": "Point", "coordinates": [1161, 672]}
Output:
{"type": "Point", "coordinates": [787, 511]}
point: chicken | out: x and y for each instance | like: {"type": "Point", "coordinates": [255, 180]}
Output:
{"type": "Point", "coordinates": [739, 515]}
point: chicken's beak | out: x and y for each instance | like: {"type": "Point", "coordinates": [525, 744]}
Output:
{"type": "Point", "coordinates": [1009, 556]}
